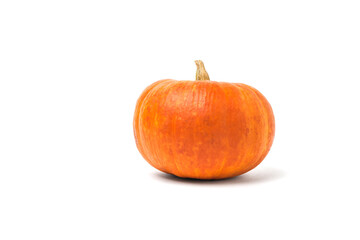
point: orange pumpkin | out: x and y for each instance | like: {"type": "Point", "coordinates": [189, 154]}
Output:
{"type": "Point", "coordinates": [203, 129]}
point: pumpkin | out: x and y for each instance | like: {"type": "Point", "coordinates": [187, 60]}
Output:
{"type": "Point", "coordinates": [203, 129]}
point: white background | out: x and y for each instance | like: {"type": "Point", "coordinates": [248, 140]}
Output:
{"type": "Point", "coordinates": [70, 75]}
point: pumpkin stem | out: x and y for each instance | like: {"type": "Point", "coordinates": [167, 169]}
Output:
{"type": "Point", "coordinates": [201, 74]}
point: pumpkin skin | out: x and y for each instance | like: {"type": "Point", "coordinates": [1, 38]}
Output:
{"type": "Point", "coordinates": [203, 129]}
